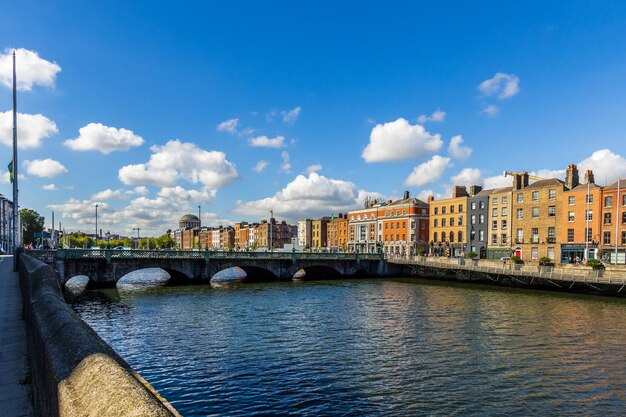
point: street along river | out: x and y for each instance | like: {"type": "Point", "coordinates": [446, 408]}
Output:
{"type": "Point", "coordinates": [369, 347]}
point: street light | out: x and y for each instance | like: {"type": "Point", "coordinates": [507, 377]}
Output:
{"type": "Point", "coordinates": [96, 244]}
{"type": "Point", "coordinates": [108, 239]}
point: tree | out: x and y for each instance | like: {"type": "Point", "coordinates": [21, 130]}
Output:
{"type": "Point", "coordinates": [32, 222]}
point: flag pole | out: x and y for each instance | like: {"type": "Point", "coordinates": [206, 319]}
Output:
{"type": "Point", "coordinates": [617, 219]}
{"type": "Point", "coordinates": [16, 206]}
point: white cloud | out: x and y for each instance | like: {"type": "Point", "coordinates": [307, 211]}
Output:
{"type": "Point", "coordinates": [491, 111]}
{"type": "Point", "coordinates": [141, 190]}
{"type": "Point", "coordinates": [5, 177]}
{"type": "Point", "coordinates": [81, 211]}
{"type": "Point", "coordinates": [179, 193]}
{"type": "Point", "coordinates": [497, 181]}
{"type": "Point", "coordinates": [98, 137]}
{"type": "Point", "coordinates": [286, 165]}
{"type": "Point", "coordinates": [550, 173]}
{"type": "Point", "coordinates": [310, 196]}
{"type": "Point", "coordinates": [31, 69]}
{"type": "Point", "coordinates": [437, 116]}
{"type": "Point", "coordinates": [467, 177]}
{"type": "Point", "coordinates": [456, 150]}
{"type": "Point", "coordinates": [501, 85]}
{"type": "Point", "coordinates": [607, 166]}
{"type": "Point", "coordinates": [290, 116]}
{"type": "Point", "coordinates": [428, 172]}
{"type": "Point", "coordinates": [31, 129]}
{"type": "Point", "coordinates": [265, 142]}
{"type": "Point", "coordinates": [177, 160]}
{"type": "Point", "coordinates": [399, 140]}
{"type": "Point", "coordinates": [424, 194]}
{"type": "Point", "coordinates": [229, 126]}
{"type": "Point", "coordinates": [260, 166]}
{"type": "Point", "coordinates": [313, 168]}
{"type": "Point", "coordinates": [44, 168]}
{"type": "Point", "coordinates": [110, 194]}
{"type": "Point", "coordinates": [49, 187]}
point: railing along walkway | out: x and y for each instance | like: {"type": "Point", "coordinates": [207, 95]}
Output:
{"type": "Point", "coordinates": [198, 254]}
{"type": "Point", "coordinates": [586, 275]}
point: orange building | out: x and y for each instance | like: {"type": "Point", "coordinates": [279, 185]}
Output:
{"type": "Point", "coordinates": [403, 226]}
{"type": "Point", "coordinates": [241, 236]}
{"type": "Point", "coordinates": [613, 235]}
{"type": "Point", "coordinates": [337, 233]}
{"type": "Point", "coordinates": [581, 219]}
{"type": "Point", "coordinates": [448, 218]}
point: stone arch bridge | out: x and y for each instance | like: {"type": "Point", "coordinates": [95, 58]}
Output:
{"type": "Point", "coordinates": [105, 267]}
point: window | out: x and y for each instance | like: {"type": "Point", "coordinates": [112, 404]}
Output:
{"type": "Point", "coordinates": [494, 212]}
{"type": "Point", "coordinates": [451, 237]}
{"type": "Point", "coordinates": [404, 225]}
{"type": "Point", "coordinates": [436, 211]}
{"type": "Point", "coordinates": [534, 232]}
{"type": "Point", "coordinates": [590, 198]}
{"type": "Point", "coordinates": [551, 235]}
{"type": "Point", "coordinates": [551, 194]}
{"type": "Point", "coordinates": [520, 213]}
{"type": "Point", "coordinates": [403, 213]}
{"type": "Point", "coordinates": [443, 222]}
{"type": "Point", "coordinates": [552, 211]}
{"type": "Point", "coordinates": [505, 211]}
{"type": "Point", "coordinates": [451, 209]}
{"type": "Point", "coordinates": [435, 236]}
{"type": "Point", "coordinates": [505, 200]}
{"type": "Point", "coordinates": [534, 253]}
{"type": "Point", "coordinates": [624, 238]}
{"type": "Point", "coordinates": [460, 220]}
{"type": "Point", "coordinates": [519, 236]}
{"type": "Point", "coordinates": [607, 238]}
{"type": "Point", "coordinates": [387, 225]}
{"type": "Point", "coordinates": [607, 218]}
{"type": "Point", "coordinates": [472, 234]}
{"type": "Point", "coordinates": [520, 197]}
{"type": "Point", "coordinates": [623, 217]}
{"type": "Point", "coordinates": [571, 200]}
{"type": "Point", "coordinates": [535, 196]}
{"type": "Point", "coordinates": [551, 253]}
{"type": "Point", "coordinates": [481, 219]}
{"type": "Point", "coordinates": [391, 225]}
{"type": "Point", "coordinates": [435, 223]}
{"type": "Point", "coordinates": [494, 239]}
{"type": "Point", "coordinates": [461, 208]}
{"type": "Point", "coordinates": [481, 235]}
{"type": "Point", "coordinates": [398, 213]}
{"type": "Point", "coordinates": [473, 205]}
{"type": "Point", "coordinates": [571, 216]}
{"type": "Point", "coordinates": [608, 201]}
{"type": "Point", "coordinates": [481, 205]}
{"type": "Point", "coordinates": [443, 236]}
{"type": "Point", "coordinates": [589, 215]}
{"type": "Point", "coordinates": [535, 212]}
{"type": "Point", "coordinates": [451, 221]}
{"type": "Point", "coordinates": [412, 224]}
{"type": "Point", "coordinates": [459, 236]}
{"type": "Point", "coordinates": [397, 225]}
{"type": "Point", "coordinates": [570, 235]}
{"type": "Point", "coordinates": [504, 239]}
{"type": "Point", "coordinates": [503, 224]}
{"type": "Point", "coordinates": [443, 210]}
{"type": "Point", "coordinates": [473, 219]}
{"type": "Point", "coordinates": [494, 200]}
{"type": "Point", "coordinates": [588, 234]}
{"type": "Point", "coordinates": [624, 200]}
{"type": "Point", "coordinates": [473, 248]}
{"type": "Point", "coordinates": [494, 225]}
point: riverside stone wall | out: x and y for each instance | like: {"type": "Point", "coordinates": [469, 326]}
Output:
{"type": "Point", "coordinates": [74, 372]}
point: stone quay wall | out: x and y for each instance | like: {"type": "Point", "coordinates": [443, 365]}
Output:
{"type": "Point", "coordinates": [74, 372]}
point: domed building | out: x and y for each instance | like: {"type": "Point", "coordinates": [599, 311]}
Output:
{"type": "Point", "coordinates": [189, 221]}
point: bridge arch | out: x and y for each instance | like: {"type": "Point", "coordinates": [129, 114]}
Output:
{"type": "Point", "coordinates": [153, 275]}
{"type": "Point", "coordinates": [258, 274]}
{"type": "Point", "coordinates": [318, 272]}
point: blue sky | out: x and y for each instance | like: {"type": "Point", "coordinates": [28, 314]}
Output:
{"type": "Point", "coordinates": [333, 89]}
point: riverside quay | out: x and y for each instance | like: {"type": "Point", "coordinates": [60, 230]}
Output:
{"type": "Point", "coordinates": [565, 222]}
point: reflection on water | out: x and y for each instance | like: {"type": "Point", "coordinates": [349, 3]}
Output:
{"type": "Point", "coordinates": [375, 347]}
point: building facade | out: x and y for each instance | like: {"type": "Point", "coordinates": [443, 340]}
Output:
{"type": "Point", "coordinates": [319, 233]}
{"type": "Point", "coordinates": [304, 233]}
{"type": "Point", "coordinates": [403, 226]}
{"type": "Point", "coordinates": [363, 229]}
{"type": "Point", "coordinates": [479, 221]}
{"type": "Point", "coordinates": [447, 229]}
{"type": "Point", "coordinates": [337, 233]}
{"type": "Point", "coordinates": [613, 235]}
{"type": "Point", "coordinates": [500, 235]}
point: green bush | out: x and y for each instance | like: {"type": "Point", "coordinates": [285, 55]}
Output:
{"type": "Point", "coordinates": [421, 252]}
{"type": "Point", "coordinates": [595, 263]}
{"type": "Point", "coordinates": [471, 255]}
{"type": "Point", "coordinates": [517, 260]}
{"type": "Point", "coordinates": [545, 261]}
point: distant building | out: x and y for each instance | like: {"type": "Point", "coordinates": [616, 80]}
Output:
{"type": "Point", "coordinates": [6, 224]}
{"type": "Point", "coordinates": [613, 234]}
{"type": "Point", "coordinates": [403, 226]}
{"type": "Point", "coordinates": [337, 233]}
{"type": "Point", "coordinates": [304, 234]}
{"type": "Point", "coordinates": [478, 233]}
{"type": "Point", "coordinates": [318, 233]}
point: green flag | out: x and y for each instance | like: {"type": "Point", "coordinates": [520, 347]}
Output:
{"type": "Point", "coordinates": [11, 171]}
{"type": "Point", "coordinates": [332, 218]}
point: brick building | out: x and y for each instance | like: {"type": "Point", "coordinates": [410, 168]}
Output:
{"type": "Point", "coordinates": [403, 226]}
{"type": "Point", "coordinates": [448, 219]}
{"type": "Point", "coordinates": [613, 235]}
{"type": "Point", "coordinates": [500, 232]}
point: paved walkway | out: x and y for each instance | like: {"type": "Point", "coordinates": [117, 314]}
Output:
{"type": "Point", "coordinates": [13, 396]}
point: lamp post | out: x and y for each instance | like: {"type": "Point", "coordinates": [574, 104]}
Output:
{"type": "Point", "coordinates": [96, 244]}
{"type": "Point", "coordinates": [108, 234]}
{"type": "Point", "coordinates": [199, 215]}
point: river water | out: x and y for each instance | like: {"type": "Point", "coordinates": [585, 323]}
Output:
{"type": "Point", "coordinates": [398, 347]}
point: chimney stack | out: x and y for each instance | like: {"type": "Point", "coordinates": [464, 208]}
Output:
{"type": "Point", "coordinates": [520, 180]}
{"type": "Point", "coordinates": [589, 179]}
{"type": "Point", "coordinates": [571, 177]}
{"type": "Point", "coordinates": [459, 191]}
{"type": "Point", "coordinates": [406, 195]}
{"type": "Point", "coordinates": [475, 189]}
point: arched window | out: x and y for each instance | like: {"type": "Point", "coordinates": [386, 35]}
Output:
{"type": "Point", "coordinates": [435, 236]}
{"type": "Point", "coordinates": [460, 236]}
{"type": "Point", "coordinates": [451, 237]}
{"type": "Point", "coordinates": [443, 236]}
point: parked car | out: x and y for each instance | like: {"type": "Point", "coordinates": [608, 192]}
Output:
{"type": "Point", "coordinates": [505, 258]}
